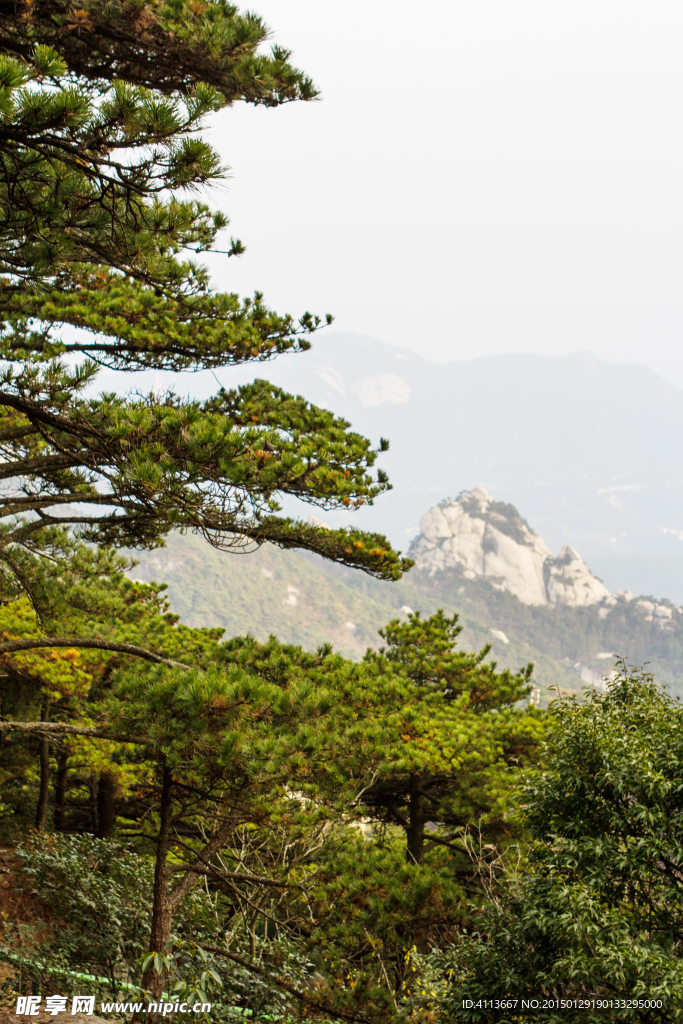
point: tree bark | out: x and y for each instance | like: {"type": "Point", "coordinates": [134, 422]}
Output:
{"type": "Point", "coordinates": [93, 806]}
{"type": "Point", "coordinates": [162, 913]}
{"type": "Point", "coordinates": [41, 810]}
{"type": "Point", "coordinates": [60, 790]}
{"type": "Point", "coordinates": [416, 822]}
{"type": "Point", "coordinates": [106, 806]}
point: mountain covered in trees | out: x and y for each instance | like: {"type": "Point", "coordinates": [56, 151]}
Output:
{"type": "Point", "coordinates": [490, 568]}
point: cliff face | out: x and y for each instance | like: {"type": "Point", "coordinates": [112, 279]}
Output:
{"type": "Point", "coordinates": [480, 537]}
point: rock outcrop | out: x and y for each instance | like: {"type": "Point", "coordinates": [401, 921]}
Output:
{"type": "Point", "coordinates": [483, 538]}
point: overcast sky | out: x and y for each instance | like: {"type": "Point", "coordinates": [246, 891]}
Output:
{"type": "Point", "coordinates": [478, 177]}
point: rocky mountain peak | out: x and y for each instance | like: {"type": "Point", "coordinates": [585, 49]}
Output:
{"type": "Point", "coordinates": [480, 495]}
{"type": "Point", "coordinates": [482, 538]}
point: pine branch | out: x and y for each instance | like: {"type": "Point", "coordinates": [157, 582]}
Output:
{"type": "Point", "coordinates": [10, 646]}
{"type": "Point", "coordinates": [63, 729]}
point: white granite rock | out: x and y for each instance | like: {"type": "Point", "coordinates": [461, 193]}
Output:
{"type": "Point", "coordinates": [434, 524]}
{"type": "Point", "coordinates": [486, 539]}
{"type": "Point", "coordinates": [571, 583]}
{"type": "Point", "coordinates": [658, 613]}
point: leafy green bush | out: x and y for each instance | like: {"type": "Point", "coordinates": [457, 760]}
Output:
{"type": "Point", "coordinates": [598, 915]}
{"type": "Point", "coordinates": [96, 897]}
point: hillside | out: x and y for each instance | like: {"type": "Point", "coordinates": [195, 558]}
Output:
{"type": "Point", "coordinates": [304, 600]}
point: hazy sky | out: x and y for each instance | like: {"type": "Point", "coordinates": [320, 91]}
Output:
{"type": "Point", "coordinates": [478, 177]}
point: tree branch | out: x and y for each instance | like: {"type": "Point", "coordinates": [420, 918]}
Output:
{"type": "Point", "coordinates": [436, 840]}
{"type": "Point", "coordinates": [10, 646]}
{"type": "Point", "coordinates": [62, 728]}
{"type": "Point", "coordinates": [232, 876]}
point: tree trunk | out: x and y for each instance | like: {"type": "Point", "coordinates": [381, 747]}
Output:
{"type": "Point", "coordinates": [41, 810]}
{"type": "Point", "coordinates": [415, 838]}
{"type": "Point", "coordinates": [416, 822]}
{"type": "Point", "coordinates": [162, 913]}
{"type": "Point", "coordinates": [92, 805]}
{"type": "Point", "coordinates": [60, 790]}
{"type": "Point", "coordinates": [167, 899]}
{"type": "Point", "coordinates": [106, 808]}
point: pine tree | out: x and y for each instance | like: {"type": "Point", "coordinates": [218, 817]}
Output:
{"type": "Point", "coordinates": [100, 147]}
{"type": "Point", "coordinates": [251, 765]}
{"type": "Point", "coordinates": [454, 734]}
{"type": "Point", "coordinates": [433, 739]}
{"type": "Point", "coordinates": [101, 156]}
{"type": "Point", "coordinates": [188, 760]}
{"type": "Point", "coordinates": [215, 767]}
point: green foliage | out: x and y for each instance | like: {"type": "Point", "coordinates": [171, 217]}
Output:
{"type": "Point", "coordinates": [102, 108]}
{"type": "Point", "coordinates": [127, 325]}
{"type": "Point", "coordinates": [99, 893]}
{"type": "Point", "coordinates": [425, 652]}
{"type": "Point", "coordinates": [71, 687]}
{"type": "Point", "coordinates": [308, 601]}
{"type": "Point", "coordinates": [429, 744]}
{"type": "Point", "coordinates": [249, 773]}
{"type": "Point", "coordinates": [101, 112]}
{"type": "Point", "coordinates": [96, 898]}
{"type": "Point", "coordinates": [599, 914]}
{"type": "Point", "coordinates": [372, 906]}
{"type": "Point", "coordinates": [448, 732]}
{"type": "Point", "coordinates": [168, 46]}
{"type": "Point", "coordinates": [214, 467]}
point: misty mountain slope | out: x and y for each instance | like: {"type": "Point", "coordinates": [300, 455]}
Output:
{"type": "Point", "coordinates": [577, 639]}
{"type": "Point", "coordinates": [590, 451]}
{"type": "Point", "coordinates": [304, 600]}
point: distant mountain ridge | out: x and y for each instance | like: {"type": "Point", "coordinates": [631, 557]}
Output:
{"type": "Point", "coordinates": [589, 450]}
